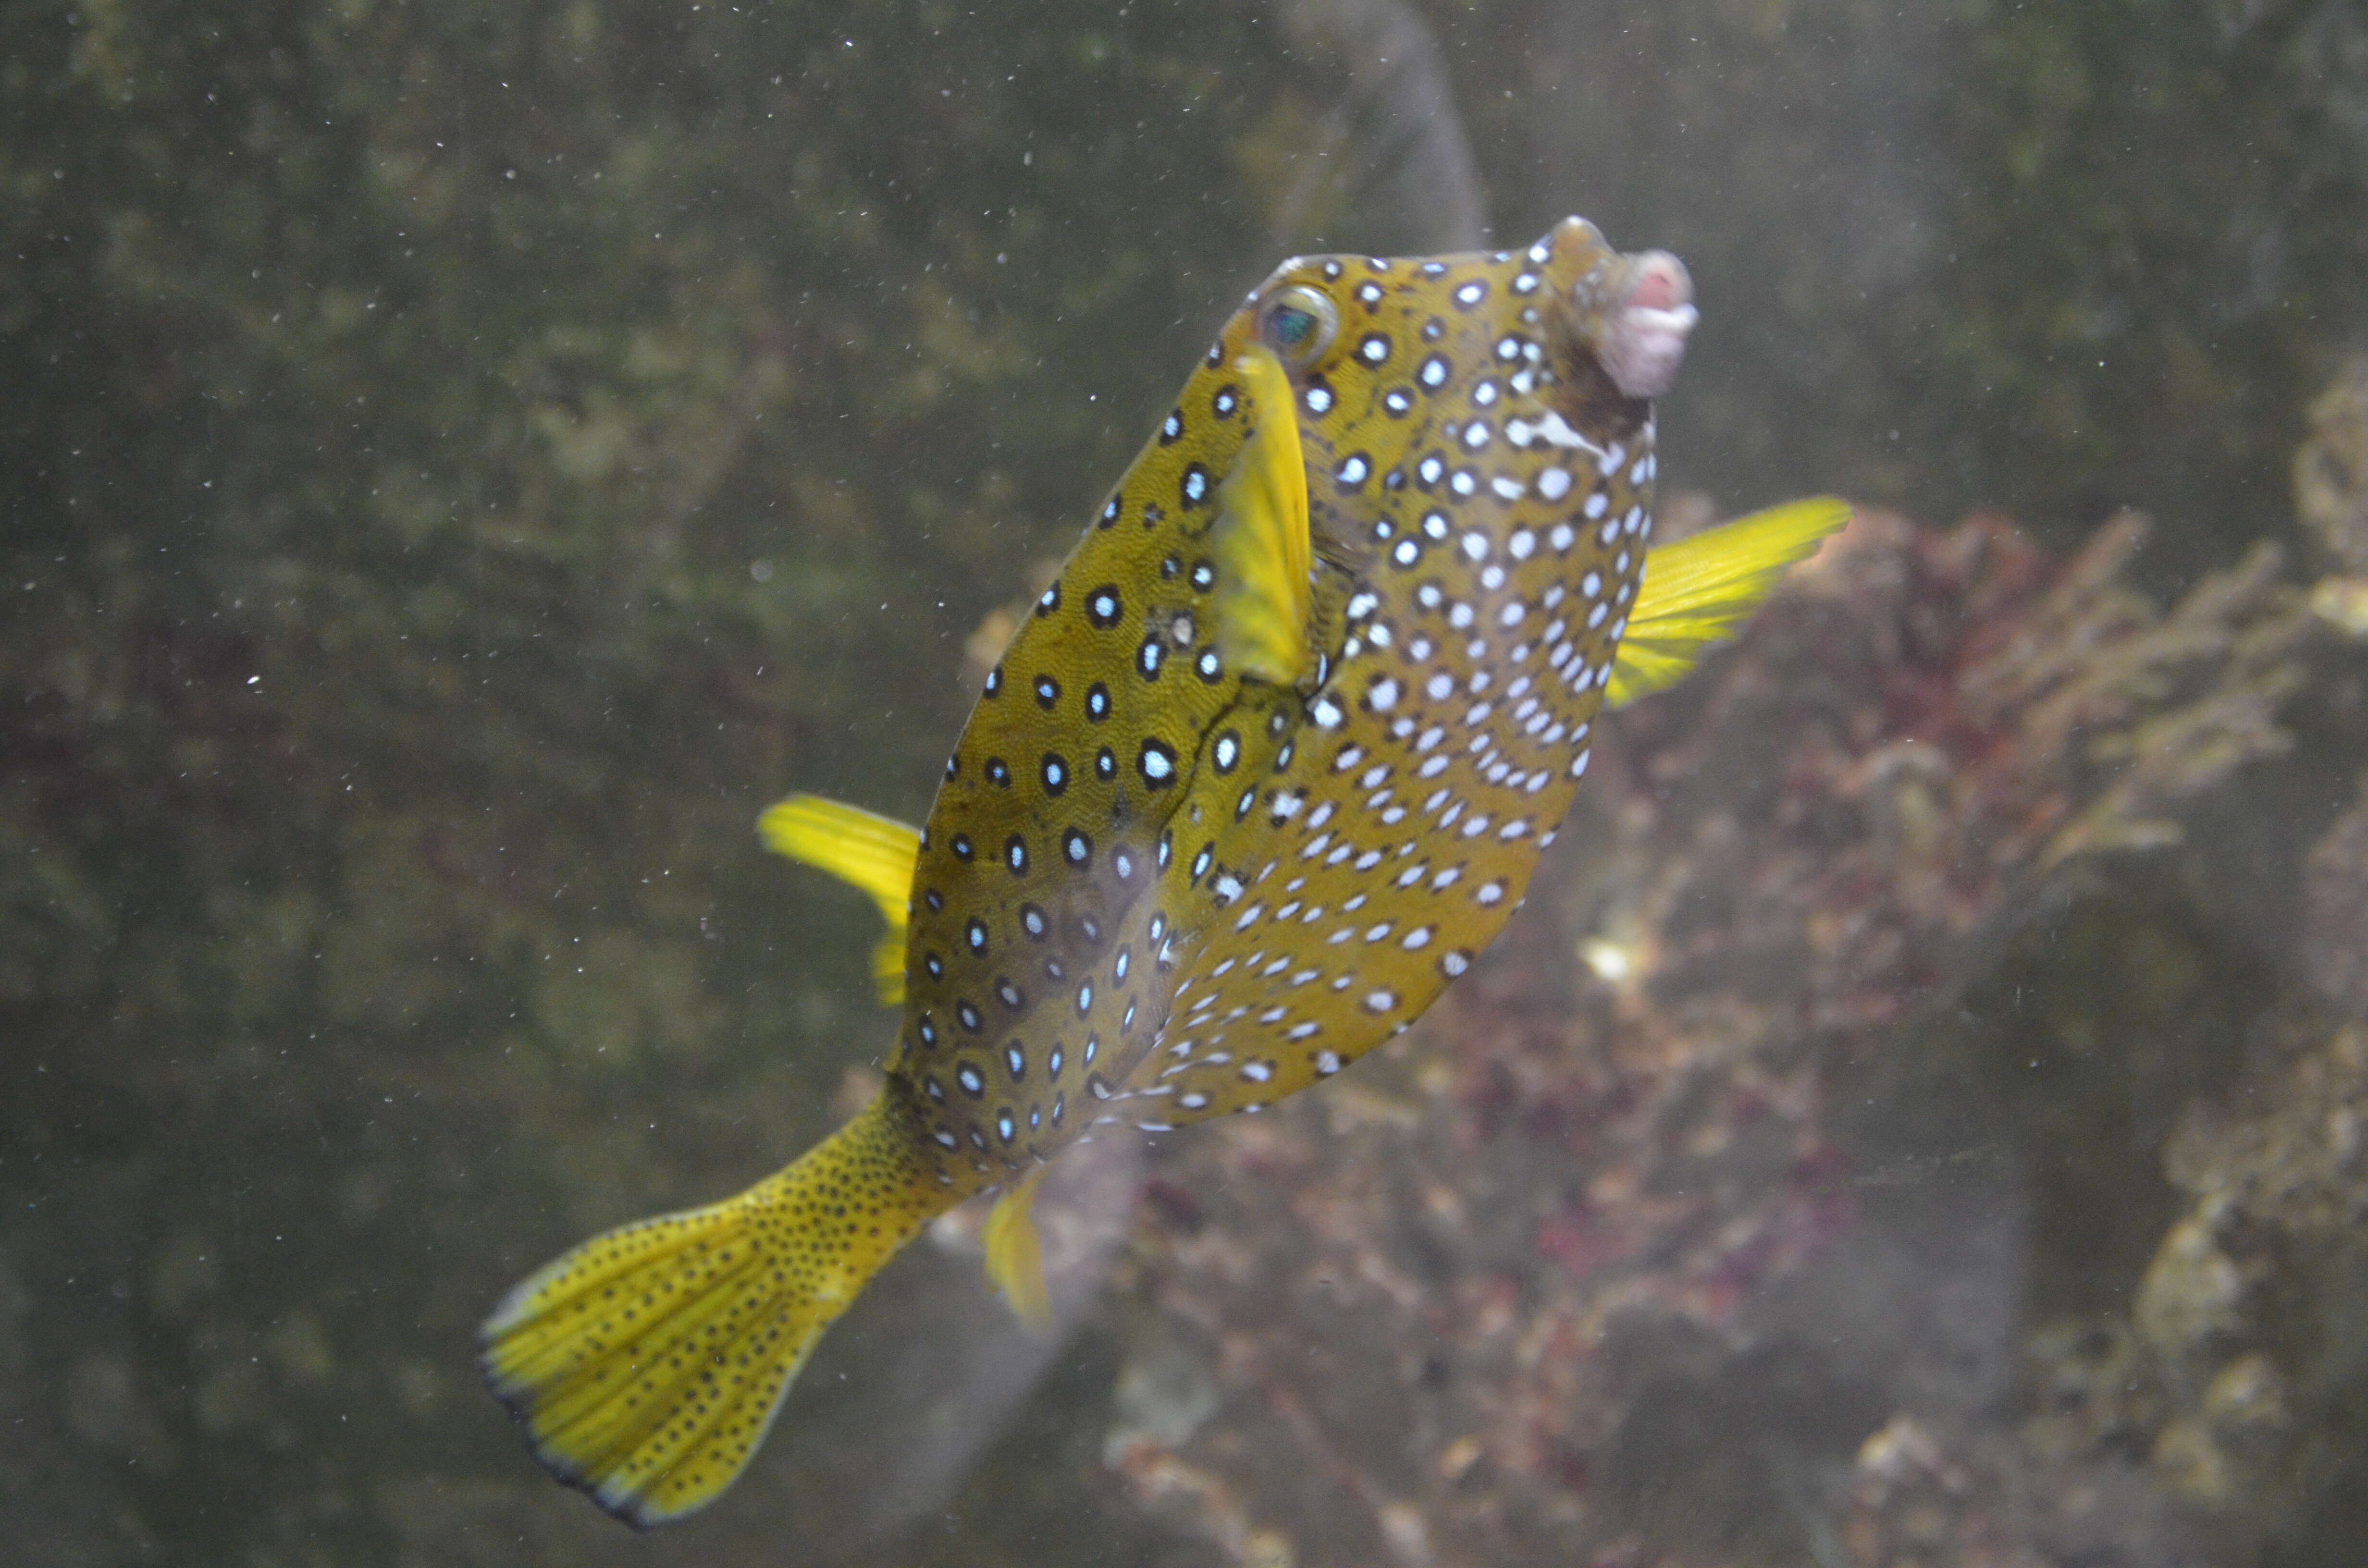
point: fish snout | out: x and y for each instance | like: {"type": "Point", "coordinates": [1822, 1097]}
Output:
{"type": "Point", "coordinates": [1641, 310]}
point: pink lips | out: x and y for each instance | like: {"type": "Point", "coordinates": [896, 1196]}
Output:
{"type": "Point", "coordinates": [1642, 338]}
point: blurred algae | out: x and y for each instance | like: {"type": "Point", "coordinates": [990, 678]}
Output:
{"type": "Point", "coordinates": [1618, 1226]}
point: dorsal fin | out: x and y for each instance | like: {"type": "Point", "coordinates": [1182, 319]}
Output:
{"type": "Point", "coordinates": [1014, 1261]}
{"type": "Point", "coordinates": [1699, 591]}
{"type": "Point", "coordinates": [1263, 552]}
{"type": "Point", "coordinates": [875, 853]}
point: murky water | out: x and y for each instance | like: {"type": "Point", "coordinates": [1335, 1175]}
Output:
{"type": "Point", "coordinates": [464, 462]}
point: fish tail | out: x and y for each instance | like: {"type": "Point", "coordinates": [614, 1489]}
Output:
{"type": "Point", "coordinates": [647, 1365]}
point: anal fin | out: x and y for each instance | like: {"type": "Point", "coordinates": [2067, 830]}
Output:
{"type": "Point", "coordinates": [1015, 1263]}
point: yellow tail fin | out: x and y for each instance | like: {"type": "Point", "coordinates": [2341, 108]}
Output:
{"type": "Point", "coordinates": [1700, 590]}
{"type": "Point", "coordinates": [648, 1364]}
{"type": "Point", "coordinates": [1014, 1262]}
{"type": "Point", "coordinates": [875, 853]}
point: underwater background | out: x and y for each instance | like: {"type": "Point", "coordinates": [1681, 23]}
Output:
{"type": "Point", "coordinates": [460, 462]}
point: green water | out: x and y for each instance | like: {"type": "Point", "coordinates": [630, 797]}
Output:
{"type": "Point", "coordinates": [458, 463]}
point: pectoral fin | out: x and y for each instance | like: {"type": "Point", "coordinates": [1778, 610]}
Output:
{"type": "Point", "coordinates": [875, 853]}
{"type": "Point", "coordinates": [1699, 591]}
{"type": "Point", "coordinates": [1263, 557]}
{"type": "Point", "coordinates": [1013, 1261]}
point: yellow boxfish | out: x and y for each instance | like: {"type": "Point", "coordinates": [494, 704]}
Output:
{"type": "Point", "coordinates": [1262, 771]}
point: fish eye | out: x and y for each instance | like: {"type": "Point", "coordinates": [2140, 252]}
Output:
{"type": "Point", "coordinates": [1298, 325]}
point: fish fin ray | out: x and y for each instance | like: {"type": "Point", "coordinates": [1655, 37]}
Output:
{"type": "Point", "coordinates": [1699, 591]}
{"type": "Point", "coordinates": [1015, 1261]}
{"type": "Point", "coordinates": [1264, 553]}
{"type": "Point", "coordinates": [873, 852]}
{"type": "Point", "coordinates": [647, 1365]}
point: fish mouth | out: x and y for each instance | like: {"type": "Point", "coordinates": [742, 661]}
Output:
{"type": "Point", "coordinates": [1637, 312]}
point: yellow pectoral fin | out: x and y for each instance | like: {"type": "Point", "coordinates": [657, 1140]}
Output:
{"type": "Point", "coordinates": [1264, 555]}
{"type": "Point", "coordinates": [1699, 591]}
{"type": "Point", "coordinates": [1014, 1263]}
{"type": "Point", "coordinates": [875, 853]}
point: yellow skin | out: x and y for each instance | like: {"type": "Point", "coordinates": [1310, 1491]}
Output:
{"type": "Point", "coordinates": [1269, 763]}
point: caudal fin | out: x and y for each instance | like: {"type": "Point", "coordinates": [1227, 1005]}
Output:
{"type": "Point", "coordinates": [647, 1364]}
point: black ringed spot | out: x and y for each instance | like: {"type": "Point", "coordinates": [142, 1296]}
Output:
{"type": "Point", "coordinates": [1048, 691]}
{"type": "Point", "coordinates": [1077, 846]}
{"type": "Point", "coordinates": [1032, 921]}
{"type": "Point", "coordinates": [998, 773]}
{"type": "Point", "coordinates": [1194, 487]}
{"type": "Point", "coordinates": [1147, 661]}
{"type": "Point", "coordinates": [1103, 607]}
{"type": "Point", "coordinates": [1172, 427]}
{"type": "Point", "coordinates": [1105, 765]}
{"type": "Point", "coordinates": [1228, 399]}
{"type": "Point", "coordinates": [1097, 705]}
{"type": "Point", "coordinates": [1227, 752]}
{"type": "Point", "coordinates": [1156, 763]}
{"type": "Point", "coordinates": [1049, 601]}
{"type": "Point", "coordinates": [1015, 855]}
{"type": "Point", "coordinates": [1056, 773]}
{"type": "Point", "coordinates": [961, 846]}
